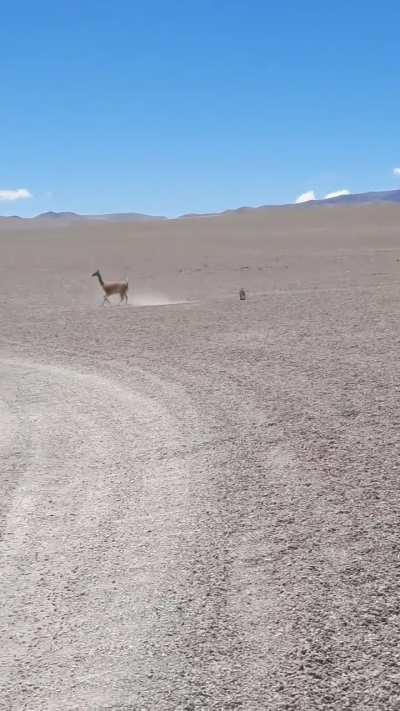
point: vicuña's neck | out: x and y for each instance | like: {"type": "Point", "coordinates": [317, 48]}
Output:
{"type": "Point", "coordinates": [100, 279]}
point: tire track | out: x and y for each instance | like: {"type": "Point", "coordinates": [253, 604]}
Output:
{"type": "Point", "coordinates": [96, 513]}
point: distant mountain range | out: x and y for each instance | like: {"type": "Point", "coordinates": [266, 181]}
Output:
{"type": "Point", "coordinates": [63, 218]}
{"type": "Point", "coordinates": [379, 196]}
{"type": "Point", "coordinates": [371, 198]}
{"type": "Point", "coordinates": [68, 217]}
{"type": "Point", "coordinates": [112, 217]}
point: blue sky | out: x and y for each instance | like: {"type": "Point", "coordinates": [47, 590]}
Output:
{"type": "Point", "coordinates": [172, 107]}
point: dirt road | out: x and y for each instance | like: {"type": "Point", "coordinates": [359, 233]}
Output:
{"type": "Point", "coordinates": [200, 500]}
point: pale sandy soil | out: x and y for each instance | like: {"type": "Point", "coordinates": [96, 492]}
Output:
{"type": "Point", "coordinates": [199, 500]}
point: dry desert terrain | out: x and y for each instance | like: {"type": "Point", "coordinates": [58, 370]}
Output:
{"type": "Point", "coordinates": [200, 495]}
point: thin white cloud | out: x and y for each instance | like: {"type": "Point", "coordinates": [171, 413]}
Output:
{"type": "Point", "coordinates": [306, 197]}
{"type": "Point", "coordinates": [13, 195]}
{"type": "Point", "coordinates": [396, 171]}
{"type": "Point", "coordinates": [338, 193]}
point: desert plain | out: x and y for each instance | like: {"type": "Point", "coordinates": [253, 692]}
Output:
{"type": "Point", "coordinates": [200, 495]}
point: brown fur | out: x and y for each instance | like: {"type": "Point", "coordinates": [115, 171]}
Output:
{"type": "Point", "coordinates": [115, 287]}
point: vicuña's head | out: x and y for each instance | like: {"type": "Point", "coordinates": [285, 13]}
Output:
{"type": "Point", "coordinates": [96, 273]}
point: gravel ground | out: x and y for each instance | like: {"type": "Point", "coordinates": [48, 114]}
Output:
{"type": "Point", "coordinates": [199, 500]}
